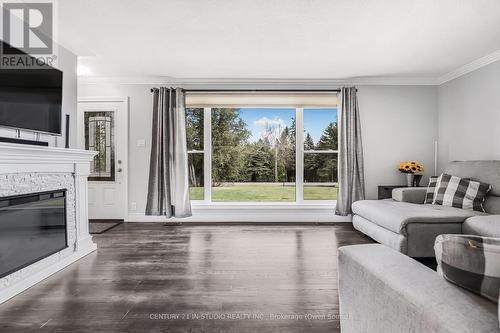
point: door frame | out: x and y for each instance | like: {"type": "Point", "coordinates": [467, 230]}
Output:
{"type": "Point", "coordinates": [79, 121]}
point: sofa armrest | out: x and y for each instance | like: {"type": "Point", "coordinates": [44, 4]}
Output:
{"type": "Point", "coordinates": [414, 195]}
{"type": "Point", "coordinates": [382, 290]}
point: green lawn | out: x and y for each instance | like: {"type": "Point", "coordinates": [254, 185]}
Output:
{"type": "Point", "coordinates": [268, 192]}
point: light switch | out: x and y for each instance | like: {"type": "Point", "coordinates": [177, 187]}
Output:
{"type": "Point", "coordinates": [141, 143]}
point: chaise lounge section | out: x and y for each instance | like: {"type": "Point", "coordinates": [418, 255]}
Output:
{"type": "Point", "coordinates": [410, 227]}
{"type": "Point", "coordinates": [382, 291]}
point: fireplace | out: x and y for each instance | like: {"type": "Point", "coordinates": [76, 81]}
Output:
{"type": "Point", "coordinates": [32, 227]}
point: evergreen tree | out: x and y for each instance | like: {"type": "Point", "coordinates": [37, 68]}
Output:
{"type": "Point", "coordinates": [309, 159]}
{"type": "Point", "coordinates": [260, 162]}
{"type": "Point", "coordinates": [327, 163]}
{"type": "Point", "coordinates": [329, 138]}
{"type": "Point", "coordinates": [308, 142]}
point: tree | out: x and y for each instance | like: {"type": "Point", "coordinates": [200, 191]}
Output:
{"type": "Point", "coordinates": [194, 134]}
{"type": "Point", "coordinates": [292, 132]}
{"type": "Point", "coordinates": [229, 139]}
{"type": "Point", "coordinates": [329, 138]}
{"type": "Point", "coordinates": [273, 132]}
{"type": "Point", "coordinates": [327, 163]}
{"type": "Point", "coordinates": [194, 128]}
{"type": "Point", "coordinates": [321, 167]}
{"type": "Point", "coordinates": [309, 159]}
{"type": "Point", "coordinates": [308, 142]}
{"type": "Point", "coordinates": [260, 162]}
{"type": "Point", "coordinates": [286, 157]}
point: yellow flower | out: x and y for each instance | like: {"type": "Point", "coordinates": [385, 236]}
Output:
{"type": "Point", "coordinates": [411, 167]}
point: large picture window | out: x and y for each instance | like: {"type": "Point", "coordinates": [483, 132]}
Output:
{"type": "Point", "coordinates": [262, 154]}
{"type": "Point", "coordinates": [253, 154]}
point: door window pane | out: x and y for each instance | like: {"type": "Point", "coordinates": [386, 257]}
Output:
{"type": "Point", "coordinates": [320, 176]}
{"type": "Point", "coordinates": [99, 136]}
{"type": "Point", "coordinates": [253, 154]}
{"type": "Point", "coordinates": [320, 129]}
{"type": "Point", "coordinates": [196, 176]}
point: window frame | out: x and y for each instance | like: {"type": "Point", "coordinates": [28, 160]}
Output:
{"type": "Point", "coordinates": [315, 151]}
{"type": "Point", "coordinates": [299, 161]}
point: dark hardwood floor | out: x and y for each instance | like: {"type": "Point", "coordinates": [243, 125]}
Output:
{"type": "Point", "coordinates": [152, 278]}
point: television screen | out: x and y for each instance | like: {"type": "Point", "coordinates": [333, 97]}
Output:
{"type": "Point", "coordinates": [31, 99]}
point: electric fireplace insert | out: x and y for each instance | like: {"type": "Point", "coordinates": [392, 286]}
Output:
{"type": "Point", "coordinates": [32, 227]}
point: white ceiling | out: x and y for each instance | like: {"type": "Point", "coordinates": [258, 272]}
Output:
{"type": "Point", "coordinates": [286, 39]}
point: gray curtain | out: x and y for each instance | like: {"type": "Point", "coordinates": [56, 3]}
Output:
{"type": "Point", "coordinates": [351, 172]}
{"type": "Point", "coordinates": [168, 188]}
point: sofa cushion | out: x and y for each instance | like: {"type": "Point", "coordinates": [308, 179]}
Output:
{"type": "Point", "coordinates": [459, 192]}
{"type": "Point", "coordinates": [409, 194]}
{"type": "Point", "coordinates": [394, 215]}
{"type": "Point", "coordinates": [487, 226]}
{"type": "Point", "coordinates": [472, 262]}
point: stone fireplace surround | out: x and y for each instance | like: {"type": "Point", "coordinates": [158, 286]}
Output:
{"type": "Point", "coordinates": [27, 169]}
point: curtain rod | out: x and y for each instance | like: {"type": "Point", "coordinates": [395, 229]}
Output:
{"type": "Point", "coordinates": [258, 91]}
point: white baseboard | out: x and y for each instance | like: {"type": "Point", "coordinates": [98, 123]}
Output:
{"type": "Point", "coordinates": [248, 214]}
{"type": "Point", "coordinates": [30, 281]}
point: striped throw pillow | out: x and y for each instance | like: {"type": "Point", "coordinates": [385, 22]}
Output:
{"type": "Point", "coordinates": [472, 262]}
{"type": "Point", "coordinates": [431, 189]}
{"type": "Point", "coordinates": [459, 192]}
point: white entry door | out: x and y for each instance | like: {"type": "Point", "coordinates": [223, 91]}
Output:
{"type": "Point", "coordinates": [103, 127]}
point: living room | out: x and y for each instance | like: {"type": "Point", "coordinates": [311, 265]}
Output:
{"type": "Point", "coordinates": [213, 166]}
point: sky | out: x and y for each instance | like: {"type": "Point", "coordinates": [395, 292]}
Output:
{"type": "Point", "coordinates": [315, 120]}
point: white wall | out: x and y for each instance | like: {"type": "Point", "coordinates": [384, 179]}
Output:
{"type": "Point", "coordinates": [469, 116]}
{"type": "Point", "coordinates": [67, 63]}
{"type": "Point", "coordinates": [399, 123]}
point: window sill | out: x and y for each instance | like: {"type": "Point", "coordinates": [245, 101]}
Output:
{"type": "Point", "coordinates": [308, 205]}
{"type": "Point", "coordinates": [268, 212]}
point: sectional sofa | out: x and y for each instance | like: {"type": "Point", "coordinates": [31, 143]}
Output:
{"type": "Point", "coordinates": [383, 289]}
{"type": "Point", "coordinates": [407, 225]}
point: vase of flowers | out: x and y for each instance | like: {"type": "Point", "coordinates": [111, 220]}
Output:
{"type": "Point", "coordinates": [410, 169]}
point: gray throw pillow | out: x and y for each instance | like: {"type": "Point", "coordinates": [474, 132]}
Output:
{"type": "Point", "coordinates": [472, 262]}
{"type": "Point", "coordinates": [459, 192]}
{"type": "Point", "coordinates": [431, 189]}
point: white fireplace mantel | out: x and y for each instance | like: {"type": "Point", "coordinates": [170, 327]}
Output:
{"type": "Point", "coordinates": [27, 169]}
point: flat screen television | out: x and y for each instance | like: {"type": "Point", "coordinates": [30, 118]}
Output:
{"type": "Point", "coordinates": [30, 99]}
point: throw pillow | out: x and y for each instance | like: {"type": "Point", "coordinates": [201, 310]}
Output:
{"type": "Point", "coordinates": [459, 192]}
{"type": "Point", "coordinates": [431, 189]}
{"type": "Point", "coordinates": [472, 262]}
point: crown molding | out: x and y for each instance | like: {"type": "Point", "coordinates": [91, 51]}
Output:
{"type": "Point", "coordinates": [252, 83]}
{"type": "Point", "coordinates": [470, 67]}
